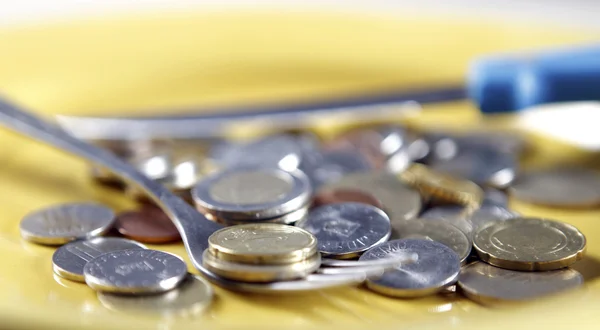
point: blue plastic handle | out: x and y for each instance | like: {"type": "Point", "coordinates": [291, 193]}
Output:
{"type": "Point", "coordinates": [506, 83]}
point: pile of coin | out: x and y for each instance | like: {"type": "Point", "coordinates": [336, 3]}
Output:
{"type": "Point", "coordinates": [123, 272]}
{"type": "Point", "coordinates": [262, 252]}
{"type": "Point", "coordinates": [300, 212]}
{"type": "Point", "coordinates": [254, 194]}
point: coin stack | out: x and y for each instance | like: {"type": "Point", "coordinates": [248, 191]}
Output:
{"type": "Point", "coordinates": [262, 252]}
{"type": "Point", "coordinates": [254, 194]}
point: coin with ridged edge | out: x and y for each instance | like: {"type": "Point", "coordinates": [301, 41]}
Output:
{"type": "Point", "coordinates": [530, 244]}
{"type": "Point", "coordinates": [62, 223]}
{"type": "Point", "coordinates": [442, 186]}
{"type": "Point", "coordinates": [344, 230]}
{"type": "Point", "coordinates": [487, 284]}
{"type": "Point", "coordinates": [262, 243]}
{"type": "Point", "coordinates": [260, 273]}
{"type": "Point", "coordinates": [135, 272]}
{"type": "Point", "coordinates": [68, 260]}
{"type": "Point", "coordinates": [436, 267]}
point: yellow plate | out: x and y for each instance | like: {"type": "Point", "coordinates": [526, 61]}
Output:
{"type": "Point", "coordinates": [205, 59]}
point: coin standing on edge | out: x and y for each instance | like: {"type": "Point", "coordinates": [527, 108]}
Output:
{"type": "Point", "coordinates": [262, 243]}
{"type": "Point", "coordinates": [436, 267]}
{"type": "Point", "coordinates": [252, 193]}
{"type": "Point", "coordinates": [400, 201]}
{"type": "Point", "coordinates": [441, 232]}
{"type": "Point", "coordinates": [135, 272]}
{"type": "Point", "coordinates": [148, 225]}
{"type": "Point", "coordinates": [487, 284]}
{"type": "Point", "coordinates": [260, 273]}
{"type": "Point", "coordinates": [191, 297]}
{"type": "Point", "coordinates": [345, 195]}
{"type": "Point", "coordinates": [345, 230]}
{"type": "Point", "coordinates": [559, 187]}
{"type": "Point", "coordinates": [69, 260]}
{"type": "Point", "coordinates": [62, 223]}
{"type": "Point", "coordinates": [530, 244]}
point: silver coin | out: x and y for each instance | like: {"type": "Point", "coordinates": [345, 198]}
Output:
{"type": "Point", "coordinates": [156, 166]}
{"type": "Point", "coordinates": [440, 232]}
{"type": "Point", "coordinates": [330, 166]}
{"type": "Point", "coordinates": [288, 218]}
{"type": "Point", "coordinates": [68, 260]}
{"type": "Point", "coordinates": [135, 271]}
{"type": "Point", "coordinates": [484, 166]}
{"type": "Point", "coordinates": [344, 230]}
{"type": "Point", "coordinates": [252, 193]}
{"type": "Point", "coordinates": [487, 284]}
{"type": "Point", "coordinates": [191, 297]}
{"type": "Point", "coordinates": [510, 143]}
{"type": "Point", "coordinates": [437, 266]}
{"type": "Point", "coordinates": [279, 151]}
{"type": "Point", "coordinates": [560, 187]}
{"type": "Point", "coordinates": [399, 201]}
{"type": "Point", "coordinates": [440, 147]}
{"type": "Point", "coordinates": [59, 224]}
{"type": "Point", "coordinates": [467, 222]}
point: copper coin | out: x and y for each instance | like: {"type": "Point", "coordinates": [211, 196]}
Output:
{"type": "Point", "coordinates": [149, 224]}
{"type": "Point", "coordinates": [344, 196]}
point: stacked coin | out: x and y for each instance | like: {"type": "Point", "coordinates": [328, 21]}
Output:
{"type": "Point", "coordinates": [262, 252]}
{"type": "Point", "coordinates": [255, 194]}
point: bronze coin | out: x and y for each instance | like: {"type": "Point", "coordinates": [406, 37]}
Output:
{"type": "Point", "coordinates": [345, 195]}
{"type": "Point", "coordinates": [149, 224]}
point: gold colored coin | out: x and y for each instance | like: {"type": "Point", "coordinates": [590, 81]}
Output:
{"type": "Point", "coordinates": [434, 184]}
{"type": "Point", "coordinates": [262, 243]}
{"type": "Point", "coordinates": [260, 273]}
{"type": "Point", "coordinates": [530, 244]}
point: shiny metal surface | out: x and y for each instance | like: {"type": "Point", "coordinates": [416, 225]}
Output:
{"type": "Point", "coordinates": [436, 267]}
{"type": "Point", "coordinates": [68, 260]}
{"type": "Point", "coordinates": [344, 230]}
{"type": "Point", "coordinates": [261, 273]}
{"type": "Point", "coordinates": [135, 271]}
{"type": "Point", "coordinates": [262, 243]}
{"type": "Point", "coordinates": [62, 223]}
{"type": "Point", "coordinates": [487, 284]}
{"type": "Point", "coordinates": [530, 244]}
{"type": "Point", "coordinates": [252, 193]}
{"type": "Point", "coordinates": [442, 232]}
{"type": "Point", "coordinates": [469, 221]}
{"type": "Point", "coordinates": [193, 227]}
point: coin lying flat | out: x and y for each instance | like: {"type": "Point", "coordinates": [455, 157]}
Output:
{"type": "Point", "coordinates": [148, 225]}
{"type": "Point", "coordinates": [530, 244]}
{"type": "Point", "coordinates": [192, 296]}
{"type": "Point", "coordinates": [322, 167]}
{"type": "Point", "coordinates": [68, 260]}
{"type": "Point", "coordinates": [441, 232]}
{"type": "Point", "coordinates": [495, 197]}
{"type": "Point", "coordinates": [344, 230]}
{"type": "Point", "coordinates": [487, 284]}
{"type": "Point", "coordinates": [135, 272]}
{"type": "Point", "coordinates": [59, 224]}
{"type": "Point", "coordinates": [252, 193]}
{"type": "Point", "coordinates": [400, 201]}
{"type": "Point", "coordinates": [260, 273]}
{"type": "Point", "coordinates": [559, 187]}
{"type": "Point", "coordinates": [467, 220]}
{"type": "Point", "coordinates": [436, 267]}
{"type": "Point", "coordinates": [484, 166]}
{"type": "Point", "coordinates": [345, 195]}
{"type": "Point", "coordinates": [442, 186]}
{"type": "Point", "coordinates": [262, 243]}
